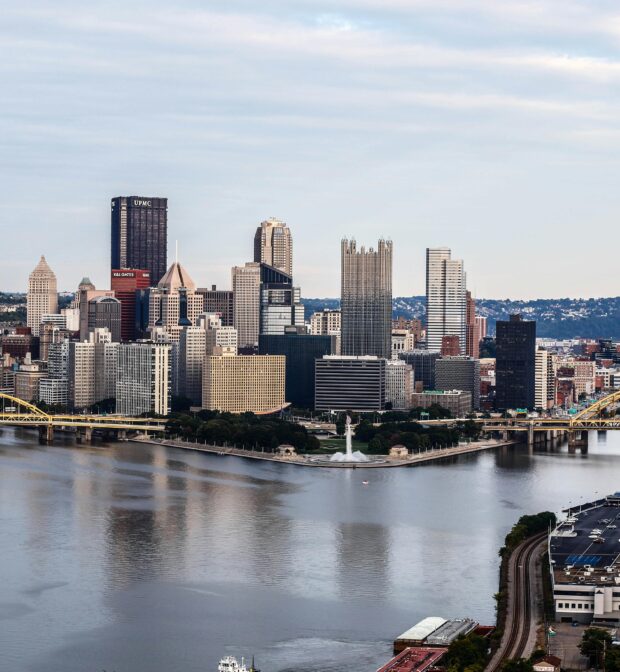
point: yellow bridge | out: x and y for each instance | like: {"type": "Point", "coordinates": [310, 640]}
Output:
{"type": "Point", "coordinates": [15, 411]}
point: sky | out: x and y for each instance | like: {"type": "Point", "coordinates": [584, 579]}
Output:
{"type": "Point", "coordinates": [489, 126]}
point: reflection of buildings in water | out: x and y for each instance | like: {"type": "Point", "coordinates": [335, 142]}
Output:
{"type": "Point", "coordinates": [363, 559]}
{"type": "Point", "coordinates": [145, 519]}
{"type": "Point", "coordinates": [232, 522]}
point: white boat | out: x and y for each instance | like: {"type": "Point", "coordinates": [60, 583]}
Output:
{"type": "Point", "coordinates": [231, 664]}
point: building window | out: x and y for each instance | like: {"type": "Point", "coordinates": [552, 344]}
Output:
{"type": "Point", "coordinates": [560, 605]}
{"type": "Point", "coordinates": [572, 606]}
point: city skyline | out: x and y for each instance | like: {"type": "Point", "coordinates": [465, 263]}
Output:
{"type": "Point", "coordinates": [374, 119]}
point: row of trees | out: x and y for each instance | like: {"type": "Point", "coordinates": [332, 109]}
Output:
{"type": "Point", "coordinates": [413, 435]}
{"type": "Point", "coordinates": [245, 430]}
{"type": "Point", "coordinates": [526, 527]}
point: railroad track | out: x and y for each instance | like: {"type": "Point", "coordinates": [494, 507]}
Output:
{"type": "Point", "coordinates": [515, 639]}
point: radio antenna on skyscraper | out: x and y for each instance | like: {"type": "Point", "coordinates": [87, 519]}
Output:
{"type": "Point", "coordinates": [176, 251]}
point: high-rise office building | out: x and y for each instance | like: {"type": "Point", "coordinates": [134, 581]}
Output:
{"type": "Point", "coordinates": [350, 383]}
{"type": "Point", "coordinates": [125, 283]}
{"type": "Point", "coordinates": [515, 365]}
{"type": "Point", "coordinates": [273, 245]}
{"type": "Point", "coordinates": [86, 292]}
{"type": "Point", "coordinates": [81, 374]}
{"type": "Point", "coordinates": [541, 391]}
{"type": "Point", "coordinates": [106, 361]}
{"type": "Point", "coordinates": [424, 363]}
{"type": "Point", "coordinates": [104, 312]}
{"type": "Point", "coordinates": [446, 298]}
{"type": "Point", "coordinates": [42, 298]}
{"type": "Point", "coordinates": [280, 302]}
{"type": "Point", "coordinates": [220, 302]}
{"type": "Point", "coordinates": [241, 383]}
{"type": "Point", "coordinates": [246, 285]}
{"type": "Point", "coordinates": [143, 379]}
{"type": "Point", "coordinates": [192, 349]}
{"type": "Point", "coordinates": [459, 373]}
{"type": "Point", "coordinates": [366, 299]}
{"type": "Point", "coordinates": [398, 384]}
{"type": "Point", "coordinates": [140, 234]}
{"type": "Point", "coordinates": [301, 350]}
{"type": "Point", "coordinates": [481, 327]}
{"type": "Point", "coordinates": [174, 304]}
{"type": "Point", "coordinates": [472, 334]}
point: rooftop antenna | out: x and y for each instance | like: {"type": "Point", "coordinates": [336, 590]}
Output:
{"type": "Point", "coordinates": [176, 252]}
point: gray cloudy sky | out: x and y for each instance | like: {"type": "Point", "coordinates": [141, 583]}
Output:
{"type": "Point", "coordinates": [491, 126]}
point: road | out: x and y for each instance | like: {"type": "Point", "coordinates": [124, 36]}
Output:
{"type": "Point", "coordinates": [524, 598]}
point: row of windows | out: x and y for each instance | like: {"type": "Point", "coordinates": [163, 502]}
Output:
{"type": "Point", "coordinates": [572, 605]}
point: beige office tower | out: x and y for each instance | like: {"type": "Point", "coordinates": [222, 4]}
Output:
{"type": "Point", "coordinates": [366, 299]}
{"type": "Point", "coordinates": [241, 383]}
{"type": "Point", "coordinates": [273, 245]}
{"type": "Point", "coordinates": [42, 295]}
{"type": "Point", "coordinates": [143, 378]}
{"type": "Point", "coordinates": [81, 374]}
{"type": "Point", "coordinates": [174, 303]}
{"type": "Point", "coordinates": [246, 292]}
{"type": "Point", "coordinates": [446, 299]}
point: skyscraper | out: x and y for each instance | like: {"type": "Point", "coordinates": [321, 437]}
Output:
{"type": "Point", "coordinates": [246, 282]}
{"type": "Point", "coordinates": [515, 366]}
{"type": "Point", "coordinates": [105, 312]}
{"type": "Point", "coordinates": [446, 300]}
{"type": "Point", "coordinates": [140, 234]}
{"type": "Point", "coordinates": [174, 303]}
{"type": "Point", "coordinates": [125, 283]}
{"type": "Point", "coordinates": [280, 302]}
{"type": "Point", "coordinates": [273, 245]}
{"type": "Point", "coordinates": [218, 301]}
{"type": "Point", "coordinates": [366, 299]}
{"type": "Point", "coordinates": [143, 378]}
{"type": "Point", "coordinates": [472, 346]}
{"type": "Point", "coordinates": [42, 296]}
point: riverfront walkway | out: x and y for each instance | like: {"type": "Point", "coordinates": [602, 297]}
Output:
{"type": "Point", "coordinates": [316, 461]}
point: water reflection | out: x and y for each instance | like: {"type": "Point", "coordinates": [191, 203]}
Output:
{"type": "Point", "coordinates": [135, 557]}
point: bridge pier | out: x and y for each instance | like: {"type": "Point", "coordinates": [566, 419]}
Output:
{"type": "Point", "coordinates": [578, 439]}
{"type": "Point", "coordinates": [46, 434]}
{"type": "Point", "coordinates": [84, 435]}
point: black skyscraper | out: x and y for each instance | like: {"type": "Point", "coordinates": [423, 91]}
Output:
{"type": "Point", "coordinates": [301, 351]}
{"type": "Point", "coordinates": [515, 365]}
{"type": "Point", "coordinates": [140, 234]}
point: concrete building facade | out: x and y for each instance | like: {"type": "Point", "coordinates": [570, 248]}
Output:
{"type": "Point", "coordinates": [446, 298]}
{"type": "Point", "coordinates": [143, 380]}
{"type": "Point", "coordinates": [241, 383]}
{"type": "Point", "coordinates": [42, 297]}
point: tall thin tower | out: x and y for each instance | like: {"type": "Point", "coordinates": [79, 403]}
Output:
{"type": "Point", "coordinates": [273, 245]}
{"type": "Point", "coordinates": [366, 299]}
{"type": "Point", "coordinates": [446, 298]}
{"type": "Point", "coordinates": [42, 296]}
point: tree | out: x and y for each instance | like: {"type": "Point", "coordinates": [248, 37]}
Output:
{"type": "Point", "coordinates": [466, 653]}
{"type": "Point", "coordinates": [594, 643]}
{"type": "Point", "coordinates": [517, 665]}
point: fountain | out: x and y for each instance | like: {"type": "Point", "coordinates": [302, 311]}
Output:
{"type": "Point", "coordinates": [349, 455]}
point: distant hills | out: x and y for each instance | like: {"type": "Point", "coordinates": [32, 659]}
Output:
{"type": "Point", "coordinates": [556, 318]}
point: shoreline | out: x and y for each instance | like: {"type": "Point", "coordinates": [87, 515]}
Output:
{"type": "Point", "coordinates": [308, 460]}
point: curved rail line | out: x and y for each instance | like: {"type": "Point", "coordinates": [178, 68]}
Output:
{"type": "Point", "coordinates": [514, 641]}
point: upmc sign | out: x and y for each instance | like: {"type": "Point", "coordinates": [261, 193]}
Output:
{"type": "Point", "coordinates": [141, 203]}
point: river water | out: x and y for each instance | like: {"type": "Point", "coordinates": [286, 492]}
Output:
{"type": "Point", "coordinates": [138, 558]}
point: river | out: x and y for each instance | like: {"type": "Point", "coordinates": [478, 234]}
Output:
{"type": "Point", "coordinates": [136, 558]}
